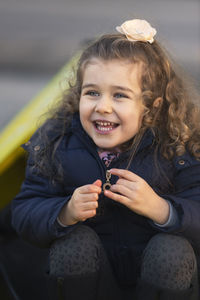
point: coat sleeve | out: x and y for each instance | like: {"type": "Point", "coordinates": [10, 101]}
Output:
{"type": "Point", "coordinates": [186, 199]}
{"type": "Point", "coordinates": [36, 207]}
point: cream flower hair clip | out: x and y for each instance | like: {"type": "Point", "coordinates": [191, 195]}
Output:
{"type": "Point", "coordinates": [137, 30]}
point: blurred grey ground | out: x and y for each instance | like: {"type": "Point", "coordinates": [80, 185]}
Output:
{"type": "Point", "coordinates": [38, 37]}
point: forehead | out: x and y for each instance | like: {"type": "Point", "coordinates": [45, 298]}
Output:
{"type": "Point", "coordinates": [116, 71]}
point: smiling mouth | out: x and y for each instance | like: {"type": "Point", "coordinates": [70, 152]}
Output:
{"type": "Point", "coordinates": [105, 126]}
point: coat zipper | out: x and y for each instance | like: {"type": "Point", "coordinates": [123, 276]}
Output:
{"type": "Point", "coordinates": [106, 176]}
{"type": "Point", "coordinates": [107, 185]}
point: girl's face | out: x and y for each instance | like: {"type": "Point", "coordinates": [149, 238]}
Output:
{"type": "Point", "coordinates": [111, 109]}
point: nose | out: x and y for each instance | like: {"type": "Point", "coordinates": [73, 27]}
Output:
{"type": "Point", "coordinates": [104, 105]}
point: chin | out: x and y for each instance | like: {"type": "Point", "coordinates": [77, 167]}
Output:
{"type": "Point", "coordinates": [105, 146]}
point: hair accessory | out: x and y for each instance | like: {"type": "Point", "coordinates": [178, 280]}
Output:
{"type": "Point", "coordinates": [137, 30]}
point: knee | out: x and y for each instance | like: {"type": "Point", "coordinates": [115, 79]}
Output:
{"type": "Point", "coordinates": [169, 258]}
{"type": "Point", "coordinates": [77, 253]}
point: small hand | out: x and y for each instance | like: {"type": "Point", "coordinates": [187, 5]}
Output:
{"type": "Point", "coordinates": [82, 205]}
{"type": "Point", "coordinates": [135, 193]}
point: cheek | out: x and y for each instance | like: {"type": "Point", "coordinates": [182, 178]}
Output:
{"type": "Point", "coordinates": [84, 112]}
{"type": "Point", "coordinates": [139, 120]}
{"type": "Point", "coordinates": [82, 108]}
{"type": "Point", "coordinates": [134, 118]}
{"type": "Point", "coordinates": [81, 112]}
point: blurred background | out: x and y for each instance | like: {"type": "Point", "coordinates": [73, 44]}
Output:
{"type": "Point", "coordinates": [38, 37]}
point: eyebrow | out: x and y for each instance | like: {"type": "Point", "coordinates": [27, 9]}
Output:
{"type": "Point", "coordinates": [89, 85]}
{"type": "Point", "coordinates": [115, 86]}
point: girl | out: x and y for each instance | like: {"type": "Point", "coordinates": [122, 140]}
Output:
{"type": "Point", "coordinates": [113, 177]}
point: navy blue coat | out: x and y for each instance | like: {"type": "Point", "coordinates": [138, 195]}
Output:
{"type": "Point", "coordinates": [124, 233]}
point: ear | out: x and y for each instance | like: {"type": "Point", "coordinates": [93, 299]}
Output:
{"type": "Point", "coordinates": [157, 102]}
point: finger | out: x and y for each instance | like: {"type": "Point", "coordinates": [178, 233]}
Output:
{"type": "Point", "coordinates": [89, 197]}
{"type": "Point", "coordinates": [125, 174]}
{"type": "Point", "coordinates": [89, 205]}
{"type": "Point", "coordinates": [129, 184]}
{"type": "Point", "coordinates": [117, 197]}
{"type": "Point", "coordinates": [89, 188]}
{"type": "Point", "coordinates": [87, 214]}
{"type": "Point", "coordinates": [98, 183]}
{"type": "Point", "coordinates": [123, 190]}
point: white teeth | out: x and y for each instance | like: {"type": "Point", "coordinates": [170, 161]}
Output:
{"type": "Point", "coordinates": [105, 123]}
{"type": "Point", "coordinates": [104, 129]}
{"type": "Point", "coordinates": [105, 126]}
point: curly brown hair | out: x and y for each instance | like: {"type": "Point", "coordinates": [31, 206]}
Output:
{"type": "Point", "coordinates": [174, 122]}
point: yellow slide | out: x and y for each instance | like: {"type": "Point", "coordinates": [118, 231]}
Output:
{"type": "Point", "coordinates": [19, 130]}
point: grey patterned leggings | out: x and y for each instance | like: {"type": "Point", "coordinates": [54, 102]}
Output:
{"type": "Point", "coordinates": [169, 263]}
